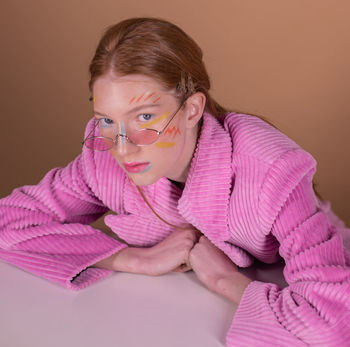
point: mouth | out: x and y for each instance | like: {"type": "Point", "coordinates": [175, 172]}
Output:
{"type": "Point", "coordinates": [137, 167]}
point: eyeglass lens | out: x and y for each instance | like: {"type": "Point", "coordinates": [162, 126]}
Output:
{"type": "Point", "coordinates": [108, 133]}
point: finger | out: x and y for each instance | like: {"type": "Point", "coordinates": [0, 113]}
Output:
{"type": "Point", "coordinates": [183, 268]}
{"type": "Point", "coordinates": [186, 268]}
{"type": "Point", "coordinates": [177, 269]}
{"type": "Point", "coordinates": [205, 240]}
{"type": "Point", "coordinates": [190, 234]}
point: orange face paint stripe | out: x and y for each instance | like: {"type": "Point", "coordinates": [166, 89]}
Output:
{"type": "Point", "coordinates": [140, 98]}
{"type": "Point", "coordinates": [173, 131]}
{"type": "Point", "coordinates": [148, 96]}
{"type": "Point", "coordinates": [156, 100]}
{"type": "Point", "coordinates": [132, 99]}
{"type": "Point", "coordinates": [157, 120]}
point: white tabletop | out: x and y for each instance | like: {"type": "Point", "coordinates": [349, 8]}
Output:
{"type": "Point", "coordinates": [123, 310]}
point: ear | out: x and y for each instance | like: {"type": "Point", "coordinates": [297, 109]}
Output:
{"type": "Point", "coordinates": [194, 109]}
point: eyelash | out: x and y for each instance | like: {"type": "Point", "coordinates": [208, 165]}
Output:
{"type": "Point", "coordinates": [105, 122]}
{"type": "Point", "coordinates": [145, 114]}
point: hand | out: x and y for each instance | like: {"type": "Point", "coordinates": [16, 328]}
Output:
{"type": "Point", "coordinates": [216, 271]}
{"type": "Point", "coordinates": [171, 254]}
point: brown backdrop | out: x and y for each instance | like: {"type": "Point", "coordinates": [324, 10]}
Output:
{"type": "Point", "coordinates": [286, 60]}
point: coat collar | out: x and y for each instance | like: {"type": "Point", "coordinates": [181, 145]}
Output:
{"type": "Point", "coordinates": [205, 199]}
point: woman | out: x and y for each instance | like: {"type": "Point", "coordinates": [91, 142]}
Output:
{"type": "Point", "coordinates": [218, 189]}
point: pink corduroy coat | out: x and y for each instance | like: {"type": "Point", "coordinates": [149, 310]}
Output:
{"type": "Point", "coordinates": [249, 190]}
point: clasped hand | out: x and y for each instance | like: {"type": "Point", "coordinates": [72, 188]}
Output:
{"type": "Point", "coordinates": [185, 249]}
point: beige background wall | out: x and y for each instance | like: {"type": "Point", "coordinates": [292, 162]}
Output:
{"type": "Point", "coordinates": [286, 60]}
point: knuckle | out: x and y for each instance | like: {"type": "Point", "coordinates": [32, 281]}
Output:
{"type": "Point", "coordinates": [202, 239]}
{"type": "Point", "coordinates": [188, 232]}
{"type": "Point", "coordinates": [189, 243]}
{"type": "Point", "coordinates": [194, 250]}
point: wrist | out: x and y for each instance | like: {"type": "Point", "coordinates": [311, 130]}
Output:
{"type": "Point", "coordinates": [233, 287]}
{"type": "Point", "coordinates": [128, 260]}
{"type": "Point", "coordinates": [109, 262]}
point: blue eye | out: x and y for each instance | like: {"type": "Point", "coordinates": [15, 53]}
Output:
{"type": "Point", "coordinates": [145, 117]}
{"type": "Point", "coordinates": [105, 122]}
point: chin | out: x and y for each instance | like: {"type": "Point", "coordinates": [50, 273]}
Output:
{"type": "Point", "coordinates": [143, 180]}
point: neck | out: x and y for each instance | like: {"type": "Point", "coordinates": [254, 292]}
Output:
{"type": "Point", "coordinates": [184, 162]}
{"type": "Point", "coordinates": [180, 185]}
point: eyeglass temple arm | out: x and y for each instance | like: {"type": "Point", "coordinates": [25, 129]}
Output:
{"type": "Point", "coordinates": [93, 129]}
{"type": "Point", "coordinates": [161, 132]}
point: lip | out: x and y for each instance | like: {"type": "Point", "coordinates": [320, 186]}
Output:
{"type": "Point", "coordinates": [136, 167]}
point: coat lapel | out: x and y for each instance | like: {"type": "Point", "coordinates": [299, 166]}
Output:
{"type": "Point", "coordinates": [205, 199]}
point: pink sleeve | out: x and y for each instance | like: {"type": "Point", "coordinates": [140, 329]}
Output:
{"type": "Point", "coordinates": [315, 308]}
{"type": "Point", "coordinates": [44, 228]}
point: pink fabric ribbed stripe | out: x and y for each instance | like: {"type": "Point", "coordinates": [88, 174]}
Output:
{"type": "Point", "coordinates": [249, 190]}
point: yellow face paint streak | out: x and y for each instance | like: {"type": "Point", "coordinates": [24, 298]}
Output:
{"type": "Point", "coordinates": [94, 99]}
{"type": "Point", "coordinates": [165, 144]}
{"type": "Point", "coordinates": [157, 120]}
{"type": "Point", "coordinates": [113, 154]}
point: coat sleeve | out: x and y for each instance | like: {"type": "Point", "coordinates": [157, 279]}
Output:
{"type": "Point", "coordinates": [44, 228]}
{"type": "Point", "coordinates": [314, 309]}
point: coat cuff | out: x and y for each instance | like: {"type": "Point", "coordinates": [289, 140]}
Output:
{"type": "Point", "coordinates": [89, 275]}
{"type": "Point", "coordinates": [72, 271]}
{"type": "Point", "coordinates": [255, 324]}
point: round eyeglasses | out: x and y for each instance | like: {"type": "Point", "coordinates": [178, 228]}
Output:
{"type": "Point", "coordinates": [141, 137]}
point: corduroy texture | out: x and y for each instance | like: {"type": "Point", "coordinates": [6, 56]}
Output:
{"type": "Point", "coordinates": [249, 190]}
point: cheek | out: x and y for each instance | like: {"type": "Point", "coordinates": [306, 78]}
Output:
{"type": "Point", "coordinates": [168, 152]}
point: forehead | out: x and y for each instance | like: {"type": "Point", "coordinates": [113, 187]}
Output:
{"type": "Point", "coordinates": [125, 86]}
{"type": "Point", "coordinates": [113, 94]}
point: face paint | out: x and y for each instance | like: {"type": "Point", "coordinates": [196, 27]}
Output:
{"type": "Point", "coordinates": [147, 168]}
{"type": "Point", "coordinates": [166, 157]}
{"type": "Point", "coordinates": [112, 154]}
{"type": "Point", "coordinates": [139, 168]}
{"type": "Point", "coordinates": [155, 121]}
{"type": "Point", "coordinates": [122, 132]}
{"type": "Point", "coordinates": [122, 138]}
{"type": "Point", "coordinates": [140, 98]}
{"type": "Point", "coordinates": [149, 96]}
{"type": "Point", "coordinates": [165, 144]}
{"type": "Point", "coordinates": [142, 95]}
{"type": "Point", "coordinates": [94, 99]}
{"type": "Point", "coordinates": [173, 131]}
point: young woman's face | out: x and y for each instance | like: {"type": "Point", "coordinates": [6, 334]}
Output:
{"type": "Point", "coordinates": [126, 104]}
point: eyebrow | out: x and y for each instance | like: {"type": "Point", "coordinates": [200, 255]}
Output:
{"type": "Point", "coordinates": [137, 108]}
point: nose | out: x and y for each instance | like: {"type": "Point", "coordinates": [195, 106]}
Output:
{"type": "Point", "coordinates": [123, 147]}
